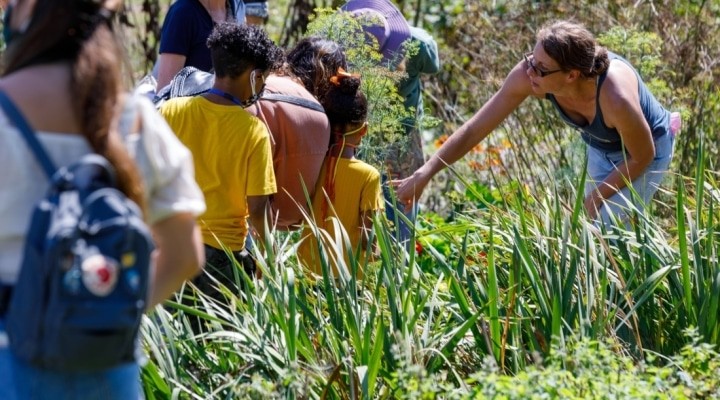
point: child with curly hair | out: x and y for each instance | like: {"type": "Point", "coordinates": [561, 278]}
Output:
{"type": "Point", "coordinates": [231, 149]}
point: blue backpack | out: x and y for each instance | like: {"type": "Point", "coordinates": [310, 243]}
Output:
{"type": "Point", "coordinates": [83, 284]}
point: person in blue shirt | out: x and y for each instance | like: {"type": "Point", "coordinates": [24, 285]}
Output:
{"type": "Point", "coordinates": [187, 25]}
{"type": "Point", "coordinates": [629, 134]}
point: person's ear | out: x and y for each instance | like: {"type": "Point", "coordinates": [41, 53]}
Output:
{"type": "Point", "coordinates": [574, 75]}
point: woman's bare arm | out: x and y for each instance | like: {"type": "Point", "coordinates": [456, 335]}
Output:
{"type": "Point", "coordinates": [514, 91]}
{"type": "Point", "coordinates": [168, 65]}
{"type": "Point", "coordinates": [620, 103]}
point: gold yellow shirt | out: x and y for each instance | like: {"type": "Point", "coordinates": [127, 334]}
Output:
{"type": "Point", "coordinates": [233, 159]}
{"type": "Point", "coordinates": [357, 191]}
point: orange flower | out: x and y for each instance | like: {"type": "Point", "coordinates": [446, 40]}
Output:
{"type": "Point", "coordinates": [492, 149]}
{"type": "Point", "coordinates": [475, 165]}
{"type": "Point", "coordinates": [439, 141]}
{"type": "Point", "coordinates": [482, 258]}
{"type": "Point", "coordinates": [479, 148]}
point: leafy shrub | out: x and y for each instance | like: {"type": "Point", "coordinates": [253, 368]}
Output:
{"type": "Point", "coordinates": [379, 82]}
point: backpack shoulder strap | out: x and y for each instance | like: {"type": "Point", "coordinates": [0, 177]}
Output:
{"type": "Point", "coordinates": [189, 81]}
{"type": "Point", "coordinates": [298, 101]}
{"type": "Point", "coordinates": [28, 134]}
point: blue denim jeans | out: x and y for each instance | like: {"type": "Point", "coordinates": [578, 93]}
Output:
{"type": "Point", "coordinates": [257, 9]}
{"type": "Point", "coordinates": [18, 380]}
{"type": "Point", "coordinates": [602, 163]}
{"type": "Point", "coordinates": [7, 381]}
{"type": "Point", "coordinates": [403, 230]}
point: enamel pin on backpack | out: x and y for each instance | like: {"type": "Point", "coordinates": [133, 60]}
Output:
{"type": "Point", "coordinates": [83, 284]}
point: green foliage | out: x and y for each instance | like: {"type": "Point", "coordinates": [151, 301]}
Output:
{"type": "Point", "coordinates": [587, 369]}
{"type": "Point", "coordinates": [520, 298]}
{"type": "Point", "coordinates": [642, 49]}
{"type": "Point", "coordinates": [698, 368]}
{"type": "Point", "coordinates": [379, 82]}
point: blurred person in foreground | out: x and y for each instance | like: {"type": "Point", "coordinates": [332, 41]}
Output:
{"type": "Point", "coordinates": [62, 70]}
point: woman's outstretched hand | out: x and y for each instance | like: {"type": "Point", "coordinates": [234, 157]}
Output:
{"type": "Point", "coordinates": [408, 190]}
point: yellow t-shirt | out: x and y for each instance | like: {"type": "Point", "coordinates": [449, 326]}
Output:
{"type": "Point", "coordinates": [233, 159]}
{"type": "Point", "coordinates": [357, 191]}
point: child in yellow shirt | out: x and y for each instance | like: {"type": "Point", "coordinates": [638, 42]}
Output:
{"type": "Point", "coordinates": [231, 150]}
{"type": "Point", "coordinates": [348, 190]}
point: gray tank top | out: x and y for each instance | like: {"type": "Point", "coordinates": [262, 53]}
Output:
{"type": "Point", "coordinates": [598, 135]}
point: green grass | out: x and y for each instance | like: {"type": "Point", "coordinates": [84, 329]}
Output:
{"type": "Point", "coordinates": [505, 292]}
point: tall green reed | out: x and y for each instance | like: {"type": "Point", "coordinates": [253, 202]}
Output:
{"type": "Point", "coordinates": [499, 288]}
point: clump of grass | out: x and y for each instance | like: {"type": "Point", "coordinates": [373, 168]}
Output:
{"type": "Point", "coordinates": [508, 289]}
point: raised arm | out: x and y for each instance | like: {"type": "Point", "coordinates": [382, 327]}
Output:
{"type": "Point", "coordinates": [514, 90]}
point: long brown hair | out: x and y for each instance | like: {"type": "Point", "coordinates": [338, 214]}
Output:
{"type": "Point", "coordinates": [345, 105]}
{"type": "Point", "coordinates": [80, 31]}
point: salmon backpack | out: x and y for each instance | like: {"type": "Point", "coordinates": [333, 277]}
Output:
{"type": "Point", "coordinates": [83, 284]}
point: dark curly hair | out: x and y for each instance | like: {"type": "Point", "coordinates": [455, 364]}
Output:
{"type": "Point", "coordinates": [235, 48]}
{"type": "Point", "coordinates": [314, 60]}
{"type": "Point", "coordinates": [344, 102]}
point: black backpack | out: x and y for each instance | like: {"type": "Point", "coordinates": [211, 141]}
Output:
{"type": "Point", "coordinates": [83, 284]}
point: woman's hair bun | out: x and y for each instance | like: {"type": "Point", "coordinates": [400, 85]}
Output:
{"type": "Point", "coordinates": [345, 81]}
